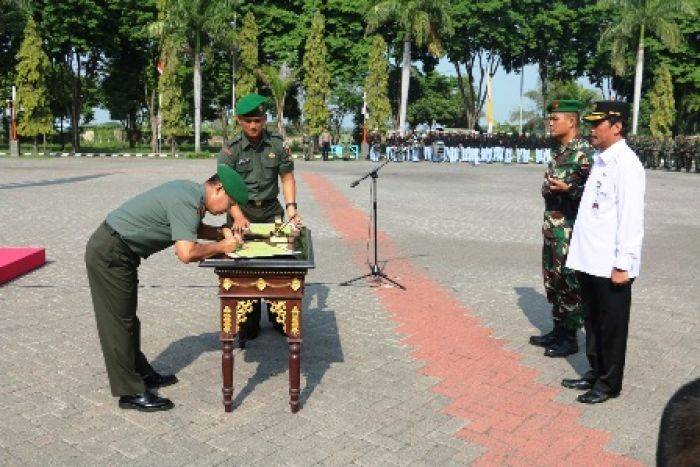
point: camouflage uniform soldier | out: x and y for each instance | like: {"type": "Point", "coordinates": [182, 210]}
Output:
{"type": "Point", "coordinates": [563, 185]}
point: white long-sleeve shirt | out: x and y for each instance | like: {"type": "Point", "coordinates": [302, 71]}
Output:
{"type": "Point", "coordinates": [609, 226]}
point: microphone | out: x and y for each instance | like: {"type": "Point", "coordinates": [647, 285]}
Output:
{"type": "Point", "coordinates": [354, 184]}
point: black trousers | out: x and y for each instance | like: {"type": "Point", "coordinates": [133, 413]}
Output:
{"type": "Point", "coordinates": [112, 270]}
{"type": "Point", "coordinates": [607, 319]}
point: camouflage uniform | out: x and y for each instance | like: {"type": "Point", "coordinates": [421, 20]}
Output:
{"type": "Point", "coordinates": [571, 164]}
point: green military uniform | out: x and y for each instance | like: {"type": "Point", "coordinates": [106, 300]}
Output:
{"type": "Point", "coordinates": [260, 165]}
{"type": "Point", "coordinates": [571, 164]}
{"type": "Point", "coordinates": [144, 225]}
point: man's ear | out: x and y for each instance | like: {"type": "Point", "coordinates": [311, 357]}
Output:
{"type": "Point", "coordinates": [617, 131]}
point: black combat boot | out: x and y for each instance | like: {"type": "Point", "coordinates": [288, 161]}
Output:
{"type": "Point", "coordinates": [566, 345]}
{"type": "Point", "coordinates": [545, 340]}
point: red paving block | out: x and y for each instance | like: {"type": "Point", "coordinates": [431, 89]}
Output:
{"type": "Point", "coordinates": [15, 261]}
{"type": "Point", "coordinates": [510, 414]}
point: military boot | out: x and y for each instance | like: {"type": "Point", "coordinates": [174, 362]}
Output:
{"type": "Point", "coordinates": [566, 345]}
{"type": "Point", "coordinates": [545, 340]}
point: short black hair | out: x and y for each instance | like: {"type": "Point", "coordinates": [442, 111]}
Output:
{"type": "Point", "coordinates": [214, 179]}
{"type": "Point", "coordinates": [679, 432]}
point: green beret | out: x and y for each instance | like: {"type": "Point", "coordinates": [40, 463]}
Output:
{"type": "Point", "coordinates": [251, 104]}
{"type": "Point", "coordinates": [233, 183]}
{"type": "Point", "coordinates": [614, 110]}
{"type": "Point", "coordinates": [565, 105]}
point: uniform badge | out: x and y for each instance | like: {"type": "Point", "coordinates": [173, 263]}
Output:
{"type": "Point", "coordinates": [243, 161]}
{"type": "Point", "coordinates": [272, 155]}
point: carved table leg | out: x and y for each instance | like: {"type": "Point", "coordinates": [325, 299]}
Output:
{"type": "Point", "coordinates": [294, 365]}
{"type": "Point", "coordinates": [227, 372]}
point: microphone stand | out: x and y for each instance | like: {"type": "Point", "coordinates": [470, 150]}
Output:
{"type": "Point", "coordinates": [374, 269]}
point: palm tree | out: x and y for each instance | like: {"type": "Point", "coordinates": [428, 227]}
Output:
{"type": "Point", "coordinates": [420, 21]}
{"type": "Point", "coordinates": [637, 19]}
{"type": "Point", "coordinates": [194, 21]}
{"type": "Point", "coordinates": [278, 81]}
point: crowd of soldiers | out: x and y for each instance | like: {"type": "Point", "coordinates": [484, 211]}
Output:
{"type": "Point", "coordinates": [472, 147]}
{"type": "Point", "coordinates": [681, 152]}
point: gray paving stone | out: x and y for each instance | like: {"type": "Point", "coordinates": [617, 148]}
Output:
{"type": "Point", "coordinates": [364, 397]}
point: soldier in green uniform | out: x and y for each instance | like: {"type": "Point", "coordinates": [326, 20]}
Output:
{"type": "Point", "coordinates": [260, 158]}
{"type": "Point", "coordinates": [169, 214]}
{"type": "Point", "coordinates": [562, 188]}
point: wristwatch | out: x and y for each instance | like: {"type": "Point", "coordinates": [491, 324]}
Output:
{"type": "Point", "coordinates": [290, 204]}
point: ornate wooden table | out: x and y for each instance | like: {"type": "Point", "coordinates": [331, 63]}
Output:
{"type": "Point", "coordinates": [279, 281]}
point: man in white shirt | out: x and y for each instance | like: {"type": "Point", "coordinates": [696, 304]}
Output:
{"type": "Point", "coordinates": [605, 250]}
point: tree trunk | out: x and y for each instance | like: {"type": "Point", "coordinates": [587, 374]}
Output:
{"type": "Point", "coordinates": [405, 77]}
{"type": "Point", "coordinates": [153, 114]}
{"type": "Point", "coordinates": [543, 82]}
{"type": "Point", "coordinates": [173, 144]}
{"type": "Point", "coordinates": [280, 119]}
{"type": "Point", "coordinates": [35, 146]}
{"type": "Point", "coordinates": [75, 107]}
{"type": "Point", "coordinates": [466, 104]}
{"type": "Point", "coordinates": [233, 82]}
{"type": "Point", "coordinates": [639, 71]}
{"type": "Point", "coordinates": [197, 96]}
{"type": "Point", "coordinates": [224, 127]}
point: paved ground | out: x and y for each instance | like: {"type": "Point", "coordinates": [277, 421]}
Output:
{"type": "Point", "coordinates": [371, 393]}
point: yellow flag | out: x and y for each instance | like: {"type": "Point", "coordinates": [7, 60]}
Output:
{"type": "Point", "coordinates": [489, 103]}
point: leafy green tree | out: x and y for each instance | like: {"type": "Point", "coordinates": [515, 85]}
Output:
{"type": "Point", "coordinates": [316, 79]}
{"type": "Point", "coordinates": [424, 22]}
{"type": "Point", "coordinates": [75, 35]}
{"type": "Point", "coordinates": [33, 67]}
{"type": "Point", "coordinates": [194, 21]}
{"type": "Point", "coordinates": [557, 35]}
{"type": "Point", "coordinates": [248, 59]}
{"type": "Point", "coordinates": [636, 20]}
{"type": "Point", "coordinates": [483, 40]}
{"type": "Point", "coordinates": [662, 104]}
{"type": "Point", "coordinates": [130, 80]}
{"type": "Point", "coordinates": [567, 89]}
{"type": "Point", "coordinates": [376, 85]}
{"type": "Point", "coordinates": [439, 101]}
{"type": "Point", "coordinates": [278, 81]}
{"type": "Point", "coordinates": [170, 88]}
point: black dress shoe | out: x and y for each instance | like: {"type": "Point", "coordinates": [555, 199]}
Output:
{"type": "Point", "coordinates": [159, 381]}
{"type": "Point", "coordinates": [545, 340]}
{"type": "Point", "coordinates": [594, 397]}
{"type": "Point", "coordinates": [561, 349]}
{"type": "Point", "coordinates": [580, 384]}
{"type": "Point", "coordinates": [565, 345]}
{"type": "Point", "coordinates": [145, 402]}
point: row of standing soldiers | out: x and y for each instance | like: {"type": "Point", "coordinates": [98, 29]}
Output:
{"type": "Point", "coordinates": [681, 152]}
{"type": "Point", "coordinates": [525, 141]}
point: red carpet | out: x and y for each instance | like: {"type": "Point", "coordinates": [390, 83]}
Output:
{"type": "Point", "coordinates": [15, 261]}
{"type": "Point", "coordinates": [509, 413]}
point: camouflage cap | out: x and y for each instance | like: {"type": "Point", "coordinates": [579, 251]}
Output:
{"type": "Point", "coordinates": [565, 105]}
{"type": "Point", "coordinates": [251, 104]}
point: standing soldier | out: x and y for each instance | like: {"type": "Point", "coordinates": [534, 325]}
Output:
{"type": "Point", "coordinates": [259, 157]}
{"type": "Point", "coordinates": [563, 185]}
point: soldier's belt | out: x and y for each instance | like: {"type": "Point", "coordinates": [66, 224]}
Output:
{"type": "Point", "coordinates": [260, 203]}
